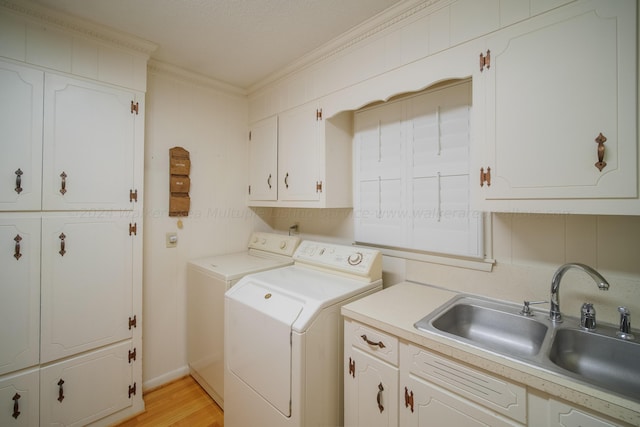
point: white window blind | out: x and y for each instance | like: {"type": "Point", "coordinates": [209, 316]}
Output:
{"type": "Point", "coordinates": [412, 174]}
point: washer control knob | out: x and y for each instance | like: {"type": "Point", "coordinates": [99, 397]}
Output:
{"type": "Point", "coordinates": [355, 259]}
{"type": "Point", "coordinates": [283, 244]}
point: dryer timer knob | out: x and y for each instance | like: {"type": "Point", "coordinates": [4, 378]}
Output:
{"type": "Point", "coordinates": [355, 259]}
{"type": "Point", "coordinates": [283, 244]}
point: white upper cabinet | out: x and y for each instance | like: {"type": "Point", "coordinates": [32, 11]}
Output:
{"type": "Point", "coordinates": [263, 160]}
{"type": "Point", "coordinates": [555, 113]}
{"type": "Point", "coordinates": [21, 137]}
{"type": "Point", "coordinates": [313, 160]}
{"type": "Point", "coordinates": [89, 145]}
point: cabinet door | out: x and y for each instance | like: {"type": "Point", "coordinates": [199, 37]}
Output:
{"type": "Point", "coordinates": [86, 282]}
{"type": "Point", "coordinates": [263, 160]}
{"type": "Point", "coordinates": [298, 154]}
{"type": "Point", "coordinates": [86, 388]}
{"type": "Point", "coordinates": [89, 145]}
{"type": "Point", "coordinates": [427, 405]}
{"type": "Point", "coordinates": [19, 293]}
{"type": "Point", "coordinates": [21, 137]}
{"type": "Point", "coordinates": [563, 415]}
{"type": "Point", "coordinates": [370, 391]}
{"type": "Point", "coordinates": [555, 84]}
{"type": "Point", "coordinates": [19, 395]}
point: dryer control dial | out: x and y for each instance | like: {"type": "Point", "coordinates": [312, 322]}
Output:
{"type": "Point", "coordinates": [355, 259]}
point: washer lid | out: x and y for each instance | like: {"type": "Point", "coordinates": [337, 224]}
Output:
{"type": "Point", "coordinates": [233, 266]}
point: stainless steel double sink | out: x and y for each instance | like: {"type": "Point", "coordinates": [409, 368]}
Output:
{"type": "Point", "coordinates": [597, 358]}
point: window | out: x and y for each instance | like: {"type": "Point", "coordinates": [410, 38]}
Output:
{"type": "Point", "coordinates": [412, 174]}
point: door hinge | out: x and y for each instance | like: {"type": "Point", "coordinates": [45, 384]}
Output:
{"type": "Point", "coordinates": [132, 390]}
{"type": "Point", "coordinates": [485, 60]}
{"type": "Point", "coordinates": [133, 195]}
{"type": "Point", "coordinates": [352, 367]}
{"type": "Point", "coordinates": [318, 186]}
{"type": "Point", "coordinates": [485, 177]}
{"type": "Point", "coordinates": [134, 107]}
{"type": "Point", "coordinates": [132, 355]}
{"type": "Point", "coordinates": [133, 228]}
{"type": "Point", "coordinates": [319, 114]}
{"type": "Point", "coordinates": [133, 322]}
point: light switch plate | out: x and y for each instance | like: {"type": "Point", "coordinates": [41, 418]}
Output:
{"type": "Point", "coordinates": [172, 240]}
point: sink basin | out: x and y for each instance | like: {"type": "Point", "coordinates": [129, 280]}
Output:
{"type": "Point", "coordinates": [490, 325]}
{"type": "Point", "coordinates": [599, 359]}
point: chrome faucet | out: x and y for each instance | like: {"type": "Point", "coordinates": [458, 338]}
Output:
{"type": "Point", "coordinates": [554, 312]}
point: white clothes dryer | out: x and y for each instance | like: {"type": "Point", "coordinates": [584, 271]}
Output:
{"type": "Point", "coordinates": [207, 281]}
{"type": "Point", "coordinates": [284, 337]}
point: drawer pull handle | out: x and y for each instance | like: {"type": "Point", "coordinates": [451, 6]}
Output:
{"type": "Point", "coordinates": [352, 367]}
{"type": "Point", "coordinates": [269, 181]}
{"type": "Point", "coordinates": [286, 180]}
{"type": "Point", "coordinates": [63, 184]}
{"type": "Point", "coordinates": [408, 399]}
{"type": "Point", "coordinates": [17, 255]}
{"type": "Point", "coordinates": [62, 251]}
{"type": "Point", "coordinates": [19, 181]}
{"type": "Point", "coordinates": [379, 397]}
{"type": "Point", "coordinates": [375, 344]}
{"type": "Point", "coordinates": [600, 140]}
{"type": "Point", "coordinates": [16, 406]}
{"type": "Point", "coordinates": [60, 390]}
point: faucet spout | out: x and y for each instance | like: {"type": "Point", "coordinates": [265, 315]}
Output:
{"type": "Point", "coordinates": [554, 313]}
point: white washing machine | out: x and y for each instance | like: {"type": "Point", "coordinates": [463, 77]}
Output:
{"type": "Point", "coordinates": [207, 281]}
{"type": "Point", "coordinates": [284, 337]}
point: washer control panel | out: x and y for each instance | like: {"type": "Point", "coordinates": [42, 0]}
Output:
{"type": "Point", "coordinates": [274, 243]}
{"type": "Point", "coordinates": [358, 261]}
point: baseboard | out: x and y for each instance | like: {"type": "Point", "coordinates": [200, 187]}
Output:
{"type": "Point", "coordinates": [165, 378]}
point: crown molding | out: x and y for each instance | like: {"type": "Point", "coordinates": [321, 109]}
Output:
{"type": "Point", "coordinates": [165, 69]}
{"type": "Point", "coordinates": [396, 15]}
{"type": "Point", "coordinates": [46, 16]}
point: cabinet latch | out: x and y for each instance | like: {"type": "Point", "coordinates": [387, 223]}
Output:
{"type": "Point", "coordinates": [134, 107]}
{"type": "Point", "coordinates": [485, 177]}
{"type": "Point", "coordinates": [133, 195]}
{"type": "Point", "coordinates": [319, 114]}
{"type": "Point", "coordinates": [132, 355]}
{"type": "Point", "coordinates": [318, 186]}
{"type": "Point", "coordinates": [485, 60]}
{"type": "Point", "coordinates": [133, 322]}
{"type": "Point", "coordinates": [132, 390]}
{"type": "Point", "coordinates": [133, 228]}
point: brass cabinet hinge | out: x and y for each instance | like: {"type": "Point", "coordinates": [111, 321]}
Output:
{"type": "Point", "coordinates": [133, 229]}
{"type": "Point", "coordinates": [485, 60]}
{"type": "Point", "coordinates": [132, 355]}
{"type": "Point", "coordinates": [133, 322]}
{"type": "Point", "coordinates": [133, 195]}
{"type": "Point", "coordinates": [319, 114]}
{"type": "Point", "coordinates": [485, 177]}
{"type": "Point", "coordinates": [132, 390]}
{"type": "Point", "coordinates": [318, 186]}
{"type": "Point", "coordinates": [352, 367]}
{"type": "Point", "coordinates": [134, 107]}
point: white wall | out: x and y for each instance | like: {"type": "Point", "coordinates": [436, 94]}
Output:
{"type": "Point", "coordinates": [212, 125]}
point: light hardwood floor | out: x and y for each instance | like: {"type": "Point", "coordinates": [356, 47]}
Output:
{"type": "Point", "coordinates": [181, 403]}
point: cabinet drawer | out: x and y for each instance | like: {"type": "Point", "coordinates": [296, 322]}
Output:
{"type": "Point", "coordinates": [372, 341]}
{"type": "Point", "coordinates": [491, 392]}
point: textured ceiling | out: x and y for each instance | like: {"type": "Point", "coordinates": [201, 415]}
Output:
{"type": "Point", "coordinates": [239, 42]}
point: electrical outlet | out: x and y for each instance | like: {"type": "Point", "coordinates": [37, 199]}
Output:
{"type": "Point", "coordinates": [172, 240]}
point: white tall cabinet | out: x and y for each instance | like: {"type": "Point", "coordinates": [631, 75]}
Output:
{"type": "Point", "coordinates": [71, 232]}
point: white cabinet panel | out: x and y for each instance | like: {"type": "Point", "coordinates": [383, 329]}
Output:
{"type": "Point", "coordinates": [19, 394]}
{"type": "Point", "coordinates": [19, 293]}
{"type": "Point", "coordinates": [564, 415]}
{"type": "Point", "coordinates": [86, 388]}
{"type": "Point", "coordinates": [543, 112]}
{"type": "Point", "coordinates": [87, 283]}
{"type": "Point", "coordinates": [263, 160]}
{"type": "Point", "coordinates": [89, 145]}
{"type": "Point", "coordinates": [21, 137]}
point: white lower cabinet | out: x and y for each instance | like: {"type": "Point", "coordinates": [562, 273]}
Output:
{"type": "Point", "coordinates": [85, 388]}
{"type": "Point", "coordinates": [390, 382]}
{"type": "Point", "coordinates": [19, 393]}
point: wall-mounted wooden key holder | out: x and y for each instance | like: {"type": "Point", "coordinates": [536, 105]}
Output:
{"type": "Point", "coordinates": [179, 182]}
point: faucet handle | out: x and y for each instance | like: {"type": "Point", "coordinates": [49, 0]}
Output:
{"type": "Point", "coordinates": [588, 316]}
{"type": "Point", "coordinates": [526, 310]}
{"type": "Point", "coordinates": [625, 324]}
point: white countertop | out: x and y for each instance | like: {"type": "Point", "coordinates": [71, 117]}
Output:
{"type": "Point", "coordinates": [398, 307]}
